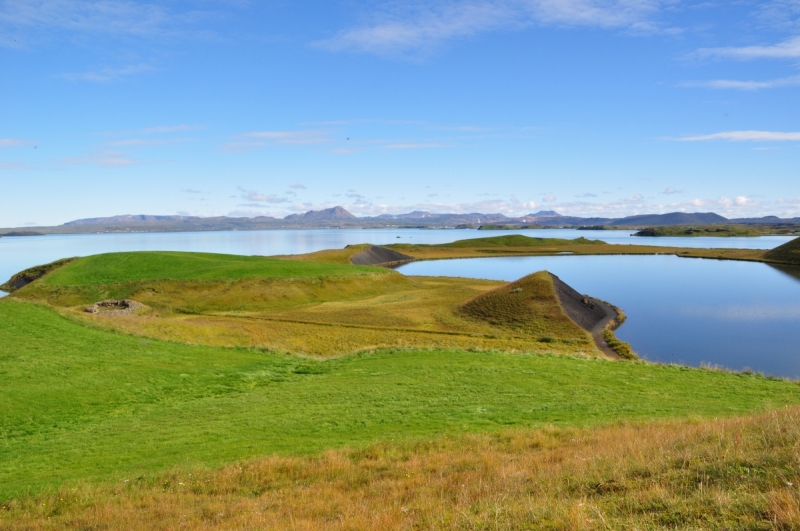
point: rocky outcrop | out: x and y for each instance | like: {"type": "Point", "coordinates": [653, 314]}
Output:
{"type": "Point", "coordinates": [112, 307]}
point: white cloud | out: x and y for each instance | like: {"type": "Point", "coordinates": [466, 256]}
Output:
{"type": "Point", "coordinates": [788, 49]}
{"type": "Point", "coordinates": [745, 136]}
{"type": "Point", "coordinates": [249, 141]}
{"type": "Point", "coordinates": [6, 165]}
{"type": "Point", "coordinates": [290, 137]}
{"type": "Point", "coordinates": [549, 199]}
{"type": "Point", "coordinates": [263, 198]}
{"type": "Point", "coordinates": [421, 26]}
{"type": "Point", "coordinates": [415, 145]}
{"type": "Point", "coordinates": [297, 186]}
{"type": "Point", "coordinates": [14, 142]}
{"type": "Point", "coordinates": [105, 159]}
{"type": "Point", "coordinates": [745, 85]}
{"type": "Point", "coordinates": [105, 16]}
{"type": "Point", "coordinates": [253, 213]}
{"type": "Point", "coordinates": [670, 190]}
{"type": "Point", "coordinates": [105, 75]}
{"type": "Point", "coordinates": [140, 142]}
{"type": "Point", "coordinates": [740, 206]}
{"type": "Point", "coordinates": [171, 129]}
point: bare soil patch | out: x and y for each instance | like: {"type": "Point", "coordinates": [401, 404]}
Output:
{"type": "Point", "coordinates": [591, 314]}
{"type": "Point", "coordinates": [379, 256]}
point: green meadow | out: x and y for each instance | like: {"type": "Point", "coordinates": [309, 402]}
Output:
{"type": "Point", "coordinates": [84, 404]}
{"type": "Point", "coordinates": [159, 265]}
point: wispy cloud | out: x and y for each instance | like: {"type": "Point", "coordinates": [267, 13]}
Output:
{"type": "Point", "coordinates": [109, 159]}
{"type": "Point", "coordinates": [148, 142]}
{"type": "Point", "coordinates": [6, 165]}
{"type": "Point", "coordinates": [252, 195]}
{"type": "Point", "coordinates": [14, 142]}
{"type": "Point", "coordinates": [788, 49]}
{"type": "Point", "coordinates": [297, 186]}
{"type": "Point", "coordinates": [249, 141]}
{"type": "Point", "coordinates": [422, 26]}
{"type": "Point", "coordinates": [416, 145]}
{"type": "Point", "coordinates": [102, 16]}
{"type": "Point", "coordinates": [737, 206]}
{"type": "Point", "coordinates": [745, 85]}
{"type": "Point", "coordinates": [671, 191]}
{"type": "Point", "coordinates": [171, 129]}
{"type": "Point", "coordinates": [108, 74]}
{"type": "Point", "coordinates": [744, 136]}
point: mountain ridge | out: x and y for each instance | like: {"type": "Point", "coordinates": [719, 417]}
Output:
{"type": "Point", "coordinates": [339, 217]}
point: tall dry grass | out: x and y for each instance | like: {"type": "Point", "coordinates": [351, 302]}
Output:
{"type": "Point", "coordinates": [739, 473]}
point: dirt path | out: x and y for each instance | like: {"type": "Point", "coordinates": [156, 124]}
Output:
{"type": "Point", "coordinates": [379, 256]}
{"type": "Point", "coordinates": [590, 314]}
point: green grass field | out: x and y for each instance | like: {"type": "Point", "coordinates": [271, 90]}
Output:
{"type": "Point", "coordinates": [159, 265]}
{"type": "Point", "coordinates": [79, 403]}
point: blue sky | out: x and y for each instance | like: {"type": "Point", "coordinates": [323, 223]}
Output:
{"type": "Point", "coordinates": [237, 107]}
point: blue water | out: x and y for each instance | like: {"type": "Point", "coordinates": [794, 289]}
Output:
{"type": "Point", "coordinates": [17, 254]}
{"type": "Point", "coordinates": [736, 315]}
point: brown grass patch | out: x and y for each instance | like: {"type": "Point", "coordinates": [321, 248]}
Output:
{"type": "Point", "coordinates": [739, 473]}
{"type": "Point", "coordinates": [338, 316]}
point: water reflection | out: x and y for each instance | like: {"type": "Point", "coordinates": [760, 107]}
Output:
{"type": "Point", "coordinates": [732, 314]}
{"type": "Point", "coordinates": [791, 271]}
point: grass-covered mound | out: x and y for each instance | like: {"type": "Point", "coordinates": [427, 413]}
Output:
{"type": "Point", "coordinates": [722, 474]}
{"type": "Point", "coordinates": [114, 268]}
{"type": "Point", "coordinates": [87, 280]}
{"type": "Point", "coordinates": [321, 309]}
{"type": "Point", "coordinates": [518, 240]}
{"type": "Point", "coordinates": [528, 304]}
{"type": "Point", "coordinates": [788, 253]}
{"type": "Point", "coordinates": [23, 278]}
{"type": "Point", "coordinates": [83, 403]}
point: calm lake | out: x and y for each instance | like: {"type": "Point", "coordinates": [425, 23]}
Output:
{"type": "Point", "coordinates": [20, 253]}
{"type": "Point", "coordinates": [733, 314]}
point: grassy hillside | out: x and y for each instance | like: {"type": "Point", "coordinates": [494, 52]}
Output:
{"type": "Point", "coordinates": [82, 403]}
{"type": "Point", "coordinates": [530, 303]}
{"type": "Point", "coordinates": [788, 253]}
{"type": "Point", "coordinates": [518, 240]}
{"type": "Point", "coordinates": [158, 265]}
{"type": "Point", "coordinates": [304, 307]}
{"type": "Point", "coordinates": [335, 317]}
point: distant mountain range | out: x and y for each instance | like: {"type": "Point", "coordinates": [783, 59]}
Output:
{"type": "Point", "coordinates": [338, 217]}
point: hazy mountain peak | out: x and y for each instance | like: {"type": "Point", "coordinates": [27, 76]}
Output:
{"type": "Point", "coordinates": [335, 213]}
